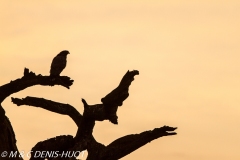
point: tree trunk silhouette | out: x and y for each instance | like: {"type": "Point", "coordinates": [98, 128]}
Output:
{"type": "Point", "coordinates": [63, 146]}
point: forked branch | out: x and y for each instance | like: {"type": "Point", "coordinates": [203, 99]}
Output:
{"type": "Point", "coordinates": [85, 122]}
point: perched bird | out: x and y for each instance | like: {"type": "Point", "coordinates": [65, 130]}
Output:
{"type": "Point", "coordinates": [59, 63]}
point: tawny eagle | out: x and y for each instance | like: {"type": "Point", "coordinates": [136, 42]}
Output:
{"type": "Point", "coordinates": [59, 63]}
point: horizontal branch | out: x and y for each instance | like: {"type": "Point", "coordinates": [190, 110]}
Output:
{"type": "Point", "coordinates": [30, 79]}
{"type": "Point", "coordinates": [49, 105]}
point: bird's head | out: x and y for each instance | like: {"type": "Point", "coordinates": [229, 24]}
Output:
{"type": "Point", "coordinates": [64, 53]}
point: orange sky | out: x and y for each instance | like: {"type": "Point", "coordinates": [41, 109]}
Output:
{"type": "Point", "coordinates": [187, 53]}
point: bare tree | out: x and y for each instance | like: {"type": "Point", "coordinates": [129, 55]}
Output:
{"type": "Point", "coordinates": [83, 140]}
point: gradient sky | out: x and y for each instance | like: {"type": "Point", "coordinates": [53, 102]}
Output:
{"type": "Point", "coordinates": [187, 53]}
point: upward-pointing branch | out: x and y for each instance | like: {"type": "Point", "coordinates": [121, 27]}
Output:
{"type": "Point", "coordinates": [118, 95]}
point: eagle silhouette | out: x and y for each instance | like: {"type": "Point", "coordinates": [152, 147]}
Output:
{"type": "Point", "coordinates": [59, 63]}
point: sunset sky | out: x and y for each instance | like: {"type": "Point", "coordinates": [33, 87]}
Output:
{"type": "Point", "coordinates": [187, 53]}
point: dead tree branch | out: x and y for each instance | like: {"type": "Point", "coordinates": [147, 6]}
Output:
{"type": "Point", "coordinates": [60, 108]}
{"type": "Point", "coordinates": [98, 112]}
{"type": "Point", "coordinates": [85, 122]}
{"type": "Point", "coordinates": [7, 135]}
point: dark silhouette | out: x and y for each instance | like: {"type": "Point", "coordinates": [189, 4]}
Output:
{"type": "Point", "coordinates": [83, 140]}
{"type": "Point", "coordinates": [59, 63]}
